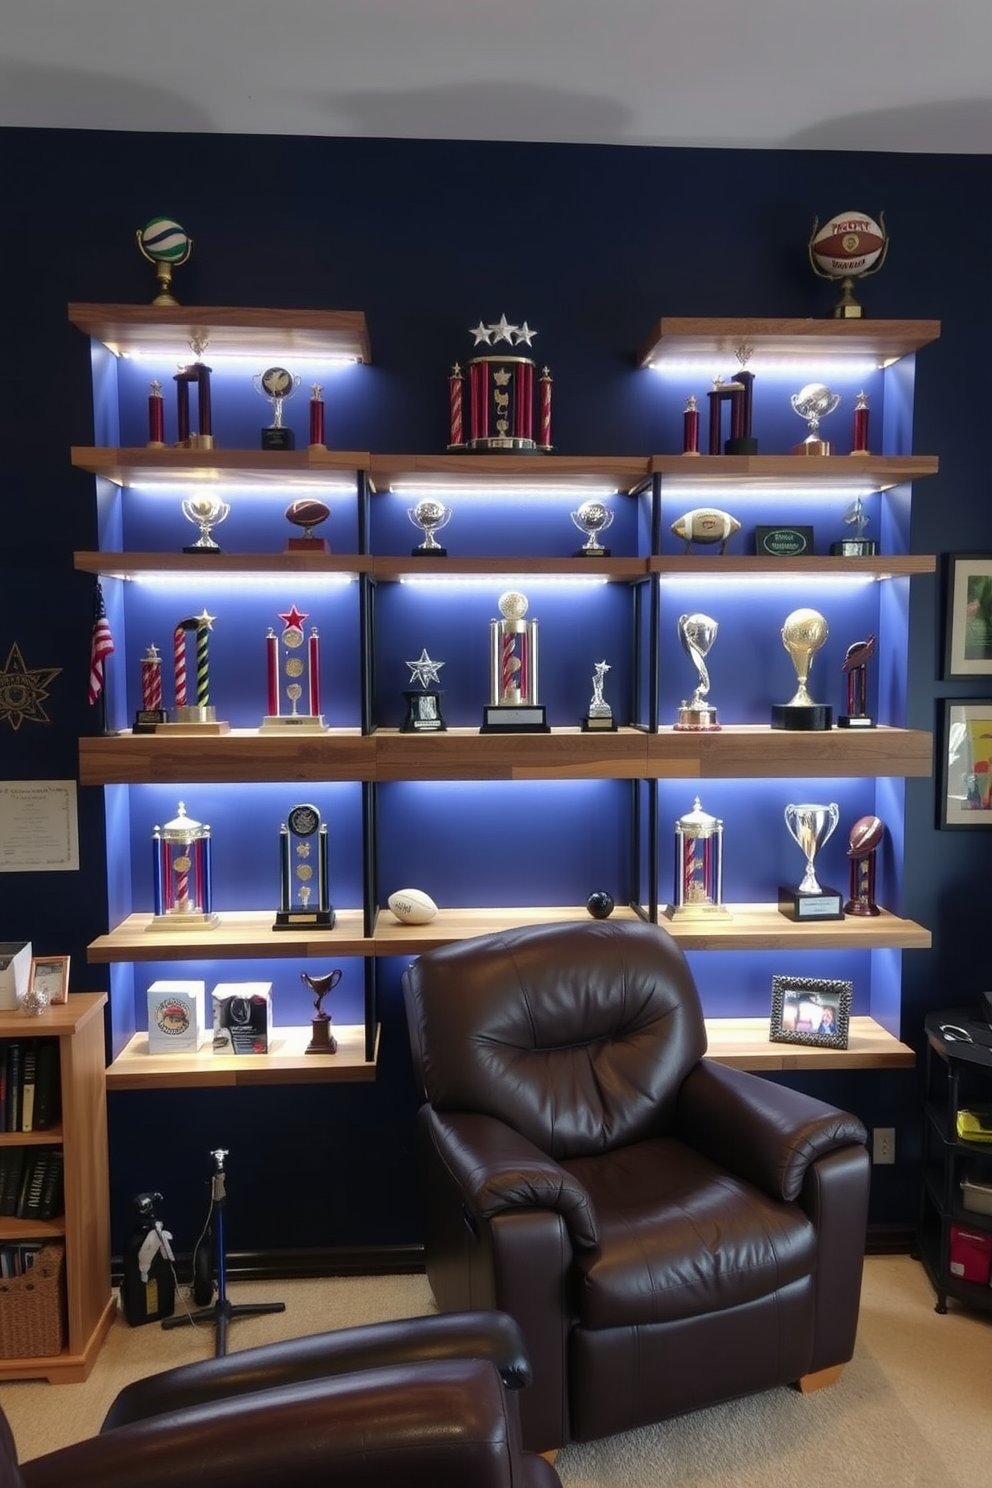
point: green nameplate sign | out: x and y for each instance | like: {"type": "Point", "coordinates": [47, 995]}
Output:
{"type": "Point", "coordinates": [783, 542]}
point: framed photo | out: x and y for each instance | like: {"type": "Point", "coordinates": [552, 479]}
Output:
{"type": "Point", "coordinates": [50, 974]}
{"type": "Point", "coordinates": [806, 1010]}
{"type": "Point", "coordinates": [966, 775]}
{"type": "Point", "coordinates": [969, 616]}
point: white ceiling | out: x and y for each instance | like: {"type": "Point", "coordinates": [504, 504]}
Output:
{"type": "Point", "coordinates": [907, 75]}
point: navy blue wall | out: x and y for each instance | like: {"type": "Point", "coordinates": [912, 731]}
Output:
{"type": "Point", "coordinates": [590, 244]}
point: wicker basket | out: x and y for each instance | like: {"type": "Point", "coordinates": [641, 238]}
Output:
{"type": "Point", "coordinates": [32, 1308]}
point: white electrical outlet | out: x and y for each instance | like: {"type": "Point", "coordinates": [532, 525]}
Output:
{"type": "Point", "coordinates": [883, 1144]}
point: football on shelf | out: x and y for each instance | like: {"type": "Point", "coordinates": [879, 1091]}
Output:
{"type": "Point", "coordinates": [706, 524]}
{"type": "Point", "coordinates": [848, 245]}
{"type": "Point", "coordinates": [307, 512]}
{"type": "Point", "coordinates": [866, 834]}
{"type": "Point", "coordinates": [412, 906]}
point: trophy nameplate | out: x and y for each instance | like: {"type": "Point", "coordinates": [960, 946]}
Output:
{"type": "Point", "coordinates": [514, 718]}
{"type": "Point", "coordinates": [783, 542]}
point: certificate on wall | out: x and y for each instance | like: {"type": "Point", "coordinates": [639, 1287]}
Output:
{"type": "Point", "coordinates": [39, 827]}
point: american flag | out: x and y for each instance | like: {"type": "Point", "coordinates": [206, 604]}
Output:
{"type": "Point", "coordinates": [101, 646]}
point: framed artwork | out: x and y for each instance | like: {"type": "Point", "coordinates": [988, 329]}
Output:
{"type": "Point", "coordinates": [966, 775]}
{"type": "Point", "coordinates": [968, 651]}
{"type": "Point", "coordinates": [808, 1010]}
{"type": "Point", "coordinates": [50, 974]}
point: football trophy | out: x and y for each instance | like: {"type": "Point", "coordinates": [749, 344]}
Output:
{"type": "Point", "coordinates": [856, 660]}
{"type": "Point", "coordinates": [705, 525]}
{"type": "Point", "coordinates": [850, 246]}
{"type": "Point", "coordinates": [865, 838]}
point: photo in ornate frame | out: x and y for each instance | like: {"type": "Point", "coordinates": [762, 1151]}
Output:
{"type": "Point", "coordinates": [802, 1005]}
{"type": "Point", "coordinates": [968, 618]}
{"type": "Point", "coordinates": [966, 764]}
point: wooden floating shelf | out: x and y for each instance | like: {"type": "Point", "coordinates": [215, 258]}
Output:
{"type": "Point", "coordinates": [817, 565]}
{"type": "Point", "coordinates": [678, 337]}
{"type": "Point", "coordinates": [750, 927]}
{"type": "Point", "coordinates": [613, 569]}
{"type": "Point", "coordinates": [232, 330]}
{"type": "Point", "coordinates": [393, 939]}
{"type": "Point", "coordinates": [286, 1063]}
{"type": "Point", "coordinates": [243, 755]}
{"type": "Point", "coordinates": [277, 468]}
{"type": "Point", "coordinates": [536, 472]}
{"type": "Point", "coordinates": [753, 751]}
{"type": "Point", "coordinates": [743, 1043]}
{"type": "Point", "coordinates": [792, 472]}
{"type": "Point", "coordinates": [130, 565]}
{"type": "Point", "coordinates": [240, 935]}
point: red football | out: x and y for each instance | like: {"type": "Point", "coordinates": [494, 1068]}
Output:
{"type": "Point", "coordinates": [307, 512]}
{"type": "Point", "coordinates": [866, 834]}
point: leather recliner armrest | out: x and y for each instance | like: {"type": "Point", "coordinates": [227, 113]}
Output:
{"type": "Point", "coordinates": [492, 1336]}
{"type": "Point", "coordinates": [497, 1169]}
{"type": "Point", "coordinates": [763, 1132]}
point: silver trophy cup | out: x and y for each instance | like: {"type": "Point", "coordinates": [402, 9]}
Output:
{"type": "Point", "coordinates": [592, 518]}
{"type": "Point", "coordinates": [430, 516]}
{"type": "Point", "coordinates": [810, 826]}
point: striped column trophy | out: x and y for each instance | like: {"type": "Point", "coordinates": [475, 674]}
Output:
{"type": "Point", "coordinates": [181, 875]}
{"type": "Point", "coordinates": [509, 406]}
{"type": "Point", "coordinates": [513, 707]}
{"type": "Point", "coordinates": [193, 712]}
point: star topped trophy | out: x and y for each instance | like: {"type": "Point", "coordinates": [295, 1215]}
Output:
{"type": "Point", "coordinates": [810, 826]}
{"type": "Point", "coordinates": [509, 405]}
{"type": "Point", "coordinates": [322, 1040]}
{"type": "Point", "coordinates": [302, 871]}
{"type": "Point", "coordinates": [193, 713]}
{"type": "Point", "coordinates": [423, 708]}
{"type": "Point", "coordinates": [513, 706]}
{"type": "Point", "coordinates": [803, 633]}
{"type": "Point", "coordinates": [292, 664]}
{"type": "Point", "coordinates": [697, 634]}
{"type": "Point", "coordinates": [430, 515]}
{"type": "Point", "coordinates": [813, 403]}
{"type": "Point", "coordinates": [592, 518]}
{"type": "Point", "coordinates": [276, 384]}
{"type": "Point", "coordinates": [599, 715]}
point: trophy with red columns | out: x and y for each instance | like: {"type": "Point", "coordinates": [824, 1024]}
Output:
{"type": "Point", "coordinates": [293, 673]}
{"type": "Point", "coordinates": [509, 405]}
{"type": "Point", "coordinates": [195, 374]}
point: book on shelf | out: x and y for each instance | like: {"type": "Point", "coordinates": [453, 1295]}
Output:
{"type": "Point", "coordinates": [11, 1173]}
{"type": "Point", "coordinates": [29, 1068]}
{"type": "Point", "coordinates": [14, 1085]}
{"type": "Point", "coordinates": [3, 1084]}
{"type": "Point", "coordinates": [33, 1183]}
{"type": "Point", "coordinates": [52, 1202]}
{"type": "Point", "coordinates": [47, 1091]}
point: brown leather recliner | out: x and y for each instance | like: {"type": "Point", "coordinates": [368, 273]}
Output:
{"type": "Point", "coordinates": [668, 1232]}
{"type": "Point", "coordinates": [421, 1403]}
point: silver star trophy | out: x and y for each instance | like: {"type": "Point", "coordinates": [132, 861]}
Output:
{"type": "Point", "coordinates": [697, 634]}
{"type": "Point", "coordinates": [423, 708]}
{"type": "Point", "coordinates": [599, 715]}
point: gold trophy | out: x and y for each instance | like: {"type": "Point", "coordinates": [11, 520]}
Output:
{"type": "Point", "coordinates": [165, 244]}
{"type": "Point", "coordinates": [803, 633]}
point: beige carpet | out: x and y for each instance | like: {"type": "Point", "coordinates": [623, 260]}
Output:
{"type": "Point", "coordinates": [912, 1410]}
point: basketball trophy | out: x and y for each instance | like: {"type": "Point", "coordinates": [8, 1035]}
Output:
{"type": "Point", "coordinates": [739, 395]}
{"type": "Point", "coordinates": [183, 893]}
{"type": "Point", "coordinates": [513, 706]}
{"type": "Point", "coordinates": [502, 393]}
{"type": "Point", "coordinates": [276, 384]}
{"type": "Point", "coordinates": [803, 633]}
{"type": "Point", "coordinates": [197, 373]}
{"type": "Point", "coordinates": [430, 516]}
{"type": "Point", "coordinates": [698, 865]}
{"type": "Point", "coordinates": [850, 246]}
{"type": "Point", "coordinates": [165, 245]}
{"type": "Point", "coordinates": [697, 634]}
{"type": "Point", "coordinates": [865, 838]}
{"type": "Point", "coordinates": [302, 860]}
{"type": "Point", "coordinates": [592, 518]}
{"type": "Point", "coordinates": [205, 512]}
{"type": "Point", "coordinates": [813, 403]}
{"type": "Point", "coordinates": [292, 664]}
{"type": "Point", "coordinates": [423, 709]}
{"type": "Point", "coordinates": [810, 827]}
{"type": "Point", "coordinates": [599, 715]}
{"type": "Point", "coordinates": [322, 1040]}
{"type": "Point", "coordinates": [193, 712]}
{"type": "Point", "coordinates": [856, 660]}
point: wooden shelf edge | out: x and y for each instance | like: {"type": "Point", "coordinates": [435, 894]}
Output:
{"type": "Point", "coordinates": [231, 328]}
{"type": "Point", "coordinates": [779, 335]}
{"type": "Point", "coordinates": [743, 1043]}
{"type": "Point", "coordinates": [763, 926]}
{"type": "Point", "coordinates": [136, 1069]}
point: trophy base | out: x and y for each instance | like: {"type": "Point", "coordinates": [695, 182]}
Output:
{"type": "Point", "coordinates": [594, 723]}
{"type": "Point", "coordinates": [845, 310]}
{"type": "Point", "coordinates": [501, 444]}
{"type": "Point", "coordinates": [323, 1040]}
{"type": "Point", "coordinates": [812, 446]}
{"type": "Point", "coordinates": [691, 454]}
{"type": "Point", "coordinates": [194, 920]}
{"type": "Point", "coordinates": [194, 720]}
{"type": "Point", "coordinates": [743, 446]}
{"type": "Point", "coordinates": [696, 912]}
{"type": "Point", "coordinates": [435, 552]}
{"type": "Point", "coordinates": [156, 444]}
{"type": "Point", "coordinates": [854, 547]}
{"type": "Point", "coordinates": [196, 442]}
{"type": "Point", "coordinates": [826, 905]}
{"type": "Point", "coordinates": [294, 723]}
{"type": "Point", "coordinates": [593, 553]}
{"type": "Point", "coordinates": [302, 919]}
{"type": "Point", "coordinates": [514, 718]}
{"type": "Point", "coordinates": [803, 717]}
{"type": "Point", "coordinates": [423, 714]}
{"type": "Point", "coordinates": [861, 908]}
{"type": "Point", "coordinates": [274, 438]}
{"type": "Point", "coordinates": [698, 720]}
{"type": "Point", "coordinates": [210, 548]}
{"type": "Point", "coordinates": [307, 545]}
{"type": "Point", "coordinates": [856, 721]}
{"type": "Point", "coordinates": [146, 720]}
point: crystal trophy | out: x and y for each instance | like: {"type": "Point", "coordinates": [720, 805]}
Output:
{"type": "Point", "coordinates": [599, 715]}
{"type": "Point", "coordinates": [430, 516]}
{"type": "Point", "coordinates": [292, 664]}
{"type": "Point", "coordinates": [322, 1040]}
{"type": "Point", "coordinates": [592, 518]}
{"type": "Point", "coordinates": [423, 708]}
{"type": "Point", "coordinates": [513, 706]}
{"type": "Point", "coordinates": [865, 838]}
{"type": "Point", "coordinates": [303, 892]}
{"type": "Point", "coordinates": [698, 865]}
{"type": "Point", "coordinates": [697, 634]}
{"type": "Point", "coordinates": [183, 894]}
{"type": "Point", "coordinates": [857, 546]}
{"type": "Point", "coordinates": [813, 403]}
{"type": "Point", "coordinates": [276, 384]}
{"type": "Point", "coordinates": [205, 512]}
{"type": "Point", "coordinates": [810, 827]}
{"type": "Point", "coordinates": [193, 712]}
{"type": "Point", "coordinates": [803, 633]}
{"type": "Point", "coordinates": [856, 659]}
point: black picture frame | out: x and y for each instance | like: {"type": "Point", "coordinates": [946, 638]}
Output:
{"type": "Point", "coordinates": [965, 800]}
{"type": "Point", "coordinates": [798, 1001]}
{"type": "Point", "coordinates": [968, 616]}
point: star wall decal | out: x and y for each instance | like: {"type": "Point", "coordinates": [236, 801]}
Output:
{"type": "Point", "coordinates": [23, 690]}
{"type": "Point", "coordinates": [425, 670]}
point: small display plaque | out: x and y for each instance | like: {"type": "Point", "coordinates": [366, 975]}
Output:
{"type": "Point", "coordinates": [783, 542]}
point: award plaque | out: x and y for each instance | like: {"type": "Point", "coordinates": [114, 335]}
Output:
{"type": "Point", "coordinates": [698, 865]}
{"type": "Point", "coordinates": [857, 546]}
{"type": "Point", "coordinates": [307, 513]}
{"type": "Point", "coordinates": [196, 374]}
{"type": "Point", "coordinates": [151, 711]}
{"type": "Point", "coordinates": [592, 518]}
{"type": "Point", "coordinates": [599, 715]}
{"type": "Point", "coordinates": [181, 875]}
{"type": "Point", "coordinates": [205, 512]}
{"type": "Point", "coordinates": [292, 665]}
{"type": "Point", "coordinates": [423, 709]}
{"type": "Point", "coordinates": [509, 406]}
{"type": "Point", "coordinates": [810, 826]}
{"type": "Point", "coordinates": [865, 837]}
{"type": "Point", "coordinates": [813, 403]}
{"type": "Point", "coordinates": [697, 634]}
{"type": "Point", "coordinates": [738, 395]}
{"type": "Point", "coordinates": [165, 245]}
{"type": "Point", "coordinates": [856, 660]}
{"type": "Point", "coordinates": [276, 384]}
{"type": "Point", "coordinates": [430, 516]}
{"type": "Point", "coordinates": [513, 708]}
{"type": "Point", "coordinates": [803, 633]}
{"type": "Point", "coordinates": [193, 713]}
{"type": "Point", "coordinates": [783, 542]}
{"type": "Point", "coordinates": [322, 1040]}
{"type": "Point", "coordinates": [302, 871]}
